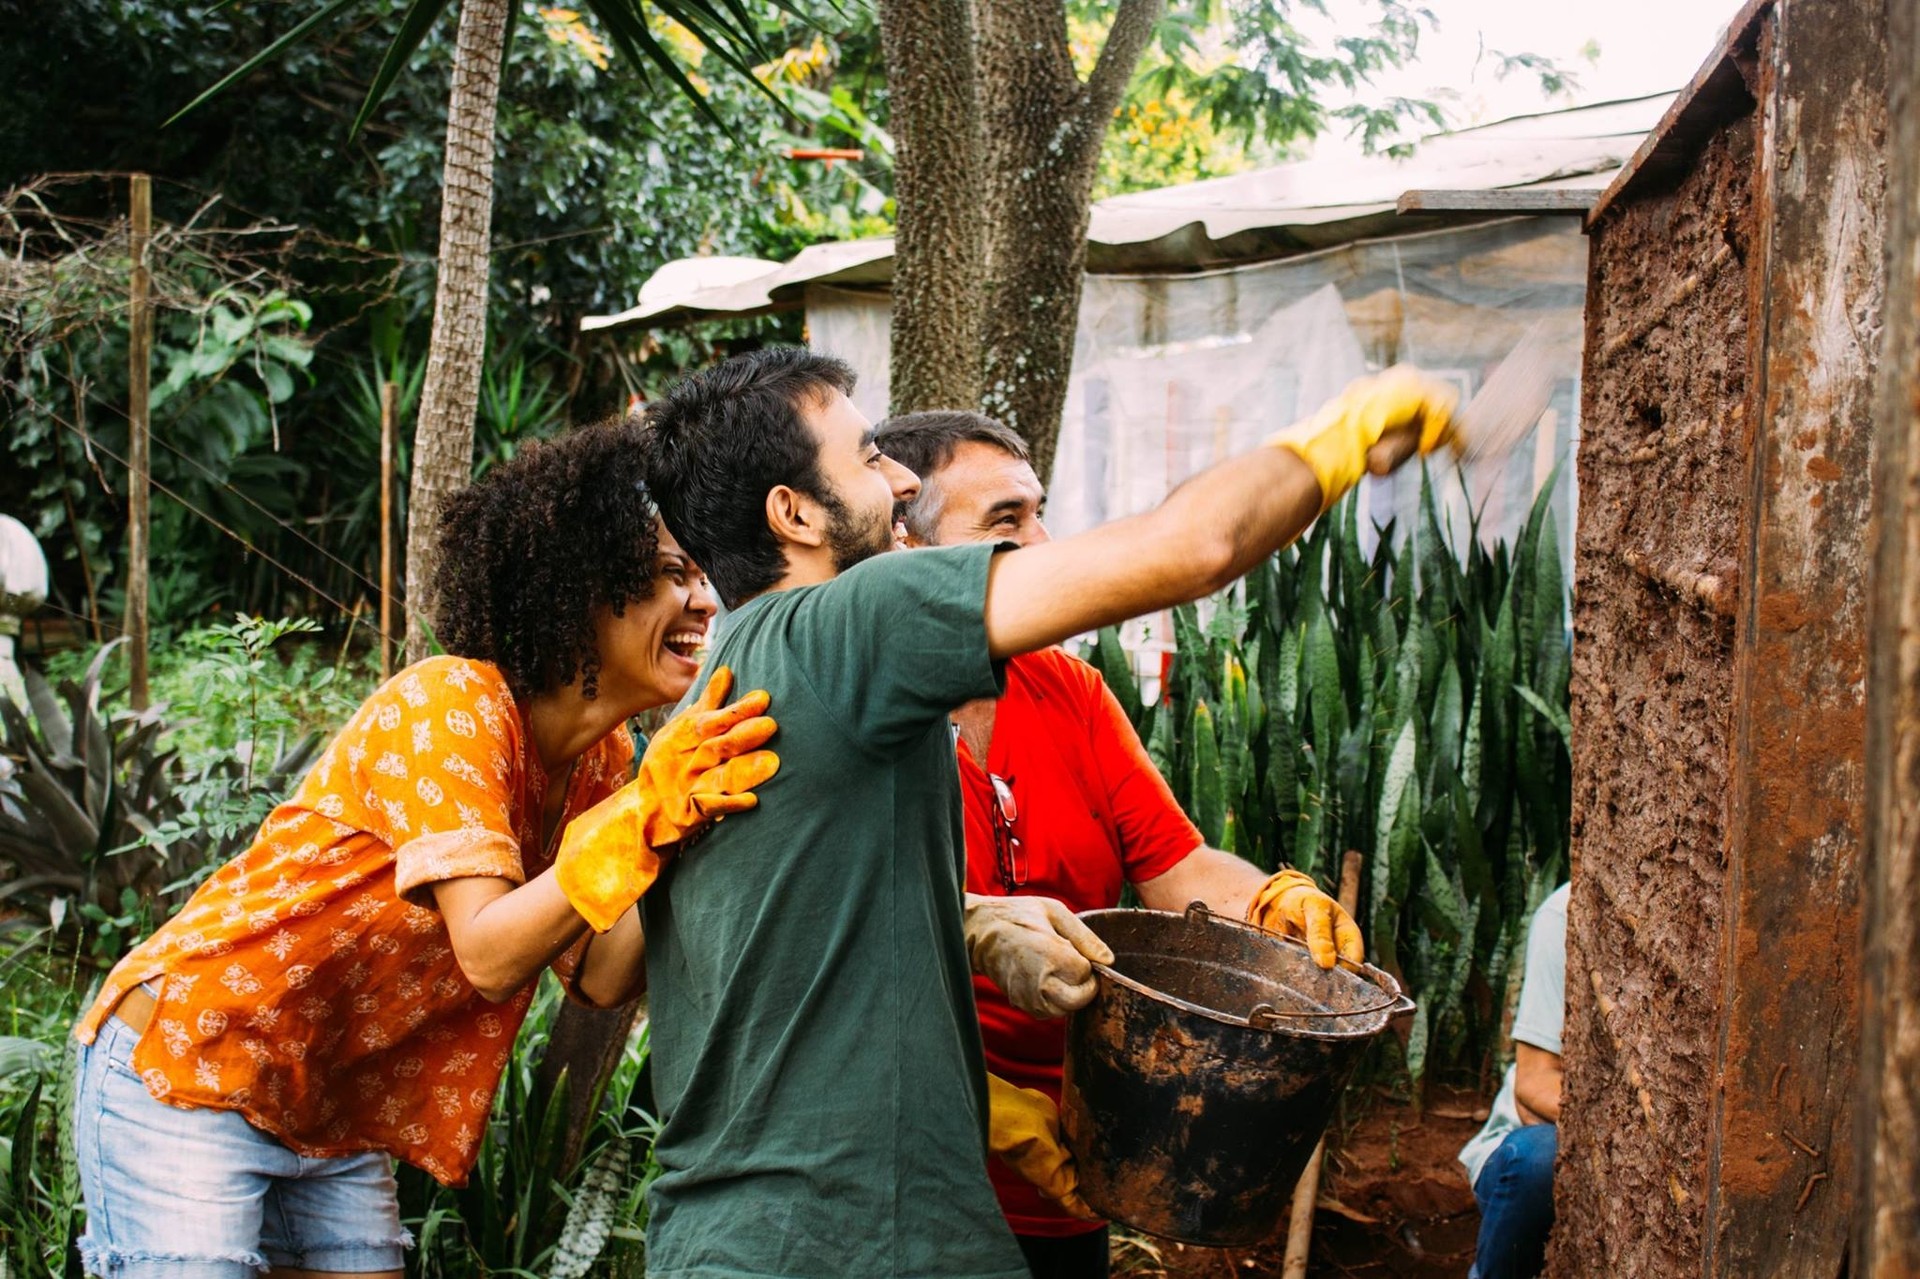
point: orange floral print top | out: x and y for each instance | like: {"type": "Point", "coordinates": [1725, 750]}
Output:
{"type": "Point", "coordinates": [309, 984]}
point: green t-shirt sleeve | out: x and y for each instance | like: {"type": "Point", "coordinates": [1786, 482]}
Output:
{"type": "Point", "coordinates": [898, 641]}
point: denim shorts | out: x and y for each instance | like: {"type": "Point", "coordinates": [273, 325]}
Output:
{"type": "Point", "coordinates": [203, 1194]}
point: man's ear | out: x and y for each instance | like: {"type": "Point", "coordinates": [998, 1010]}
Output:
{"type": "Point", "coordinates": [794, 517]}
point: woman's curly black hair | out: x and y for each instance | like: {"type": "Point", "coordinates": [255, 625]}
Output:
{"type": "Point", "coordinates": [530, 551]}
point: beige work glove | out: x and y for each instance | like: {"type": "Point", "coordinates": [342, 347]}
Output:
{"type": "Point", "coordinates": [1290, 903]}
{"type": "Point", "coordinates": [1335, 442]}
{"type": "Point", "coordinates": [1035, 950]}
{"type": "Point", "coordinates": [1023, 1128]}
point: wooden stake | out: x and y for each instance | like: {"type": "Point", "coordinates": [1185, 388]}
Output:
{"type": "Point", "coordinates": [139, 478]}
{"type": "Point", "coordinates": [389, 396]}
{"type": "Point", "coordinates": [1306, 1192]}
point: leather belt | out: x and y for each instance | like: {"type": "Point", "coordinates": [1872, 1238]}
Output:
{"type": "Point", "coordinates": [136, 1009]}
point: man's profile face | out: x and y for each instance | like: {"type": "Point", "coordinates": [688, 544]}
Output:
{"type": "Point", "coordinates": [986, 494]}
{"type": "Point", "coordinates": [862, 483]}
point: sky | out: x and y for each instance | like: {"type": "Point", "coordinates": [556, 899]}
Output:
{"type": "Point", "coordinates": [1642, 46]}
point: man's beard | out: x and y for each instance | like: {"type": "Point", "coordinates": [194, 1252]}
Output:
{"type": "Point", "coordinates": [849, 538]}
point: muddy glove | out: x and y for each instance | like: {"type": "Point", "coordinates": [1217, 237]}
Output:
{"type": "Point", "coordinates": [1334, 442]}
{"type": "Point", "coordinates": [702, 765]}
{"type": "Point", "coordinates": [1023, 1128]}
{"type": "Point", "coordinates": [1035, 950]}
{"type": "Point", "coordinates": [1292, 904]}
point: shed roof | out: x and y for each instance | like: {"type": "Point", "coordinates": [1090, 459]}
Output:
{"type": "Point", "coordinates": [1276, 212]}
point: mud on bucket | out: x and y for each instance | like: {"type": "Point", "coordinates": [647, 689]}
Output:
{"type": "Point", "coordinates": [1205, 1069]}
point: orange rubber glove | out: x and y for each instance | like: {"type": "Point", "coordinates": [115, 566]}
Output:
{"type": "Point", "coordinates": [1290, 903]}
{"type": "Point", "coordinates": [701, 766]}
{"type": "Point", "coordinates": [1334, 442]}
{"type": "Point", "coordinates": [1023, 1128]}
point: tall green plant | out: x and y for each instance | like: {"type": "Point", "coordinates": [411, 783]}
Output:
{"type": "Point", "coordinates": [104, 830]}
{"type": "Point", "coordinates": [39, 1181]}
{"type": "Point", "coordinates": [1411, 705]}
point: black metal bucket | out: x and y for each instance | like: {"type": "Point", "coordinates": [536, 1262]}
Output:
{"type": "Point", "coordinates": [1206, 1068]}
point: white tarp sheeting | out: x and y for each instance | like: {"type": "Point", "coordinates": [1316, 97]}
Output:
{"type": "Point", "coordinates": [1174, 373]}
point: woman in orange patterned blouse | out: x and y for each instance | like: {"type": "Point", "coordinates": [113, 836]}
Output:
{"type": "Point", "coordinates": [346, 992]}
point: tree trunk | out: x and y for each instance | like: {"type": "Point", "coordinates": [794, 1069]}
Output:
{"type": "Point", "coordinates": [1043, 132]}
{"type": "Point", "coordinates": [585, 1046]}
{"type": "Point", "coordinates": [939, 248]}
{"type": "Point", "coordinates": [585, 1043]}
{"type": "Point", "coordinates": [449, 399]}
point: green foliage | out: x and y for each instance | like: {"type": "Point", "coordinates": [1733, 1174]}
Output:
{"type": "Point", "coordinates": [229, 351]}
{"type": "Point", "coordinates": [1223, 77]}
{"type": "Point", "coordinates": [40, 1213]}
{"type": "Point", "coordinates": [105, 827]}
{"type": "Point", "coordinates": [1411, 706]}
{"type": "Point", "coordinates": [598, 181]}
{"type": "Point", "coordinates": [628, 23]}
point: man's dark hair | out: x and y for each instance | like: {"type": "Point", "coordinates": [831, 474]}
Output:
{"type": "Point", "coordinates": [531, 551]}
{"type": "Point", "coordinates": [925, 442]}
{"type": "Point", "coordinates": [720, 440]}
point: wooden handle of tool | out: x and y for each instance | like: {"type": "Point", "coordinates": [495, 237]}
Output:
{"type": "Point", "coordinates": [1393, 448]}
{"type": "Point", "coordinates": [1350, 880]}
{"type": "Point", "coordinates": [1306, 1191]}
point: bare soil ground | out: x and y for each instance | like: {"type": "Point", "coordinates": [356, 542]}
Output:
{"type": "Point", "coordinates": [1393, 1203]}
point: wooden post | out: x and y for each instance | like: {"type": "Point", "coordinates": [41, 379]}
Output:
{"type": "Point", "coordinates": [389, 394]}
{"type": "Point", "coordinates": [1306, 1192]}
{"type": "Point", "coordinates": [139, 477]}
{"type": "Point", "coordinates": [1886, 1172]}
{"type": "Point", "coordinates": [1779, 1197]}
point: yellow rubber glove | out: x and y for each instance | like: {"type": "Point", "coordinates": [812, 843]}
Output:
{"type": "Point", "coordinates": [1292, 904]}
{"type": "Point", "coordinates": [1334, 442]}
{"type": "Point", "coordinates": [702, 765]}
{"type": "Point", "coordinates": [1023, 1128]}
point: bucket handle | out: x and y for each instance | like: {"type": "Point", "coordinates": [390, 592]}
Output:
{"type": "Point", "coordinates": [1266, 1017]}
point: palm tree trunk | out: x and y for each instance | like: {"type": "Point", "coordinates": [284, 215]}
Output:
{"type": "Point", "coordinates": [443, 435]}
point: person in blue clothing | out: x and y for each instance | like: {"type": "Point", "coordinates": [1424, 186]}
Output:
{"type": "Point", "coordinates": [1510, 1161]}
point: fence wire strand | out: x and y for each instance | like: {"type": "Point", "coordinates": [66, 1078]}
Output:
{"type": "Point", "coordinates": [63, 279]}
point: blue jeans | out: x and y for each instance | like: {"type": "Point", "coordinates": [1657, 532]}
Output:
{"type": "Point", "coordinates": [1515, 1191]}
{"type": "Point", "coordinates": [203, 1194]}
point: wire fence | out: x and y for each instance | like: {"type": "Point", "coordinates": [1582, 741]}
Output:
{"type": "Point", "coordinates": [65, 262]}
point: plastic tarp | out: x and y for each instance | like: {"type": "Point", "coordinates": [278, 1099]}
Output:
{"type": "Point", "coordinates": [856, 326]}
{"type": "Point", "coordinates": [1174, 373]}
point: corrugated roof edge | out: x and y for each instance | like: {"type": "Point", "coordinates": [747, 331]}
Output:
{"type": "Point", "coordinates": [1183, 242]}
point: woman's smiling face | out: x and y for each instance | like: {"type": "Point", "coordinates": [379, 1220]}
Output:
{"type": "Point", "coordinates": [658, 644]}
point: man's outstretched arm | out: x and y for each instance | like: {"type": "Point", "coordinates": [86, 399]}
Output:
{"type": "Point", "coordinates": [1214, 528]}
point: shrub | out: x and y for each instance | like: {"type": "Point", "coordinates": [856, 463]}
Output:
{"type": "Point", "coordinates": [1411, 705]}
{"type": "Point", "coordinates": [104, 829]}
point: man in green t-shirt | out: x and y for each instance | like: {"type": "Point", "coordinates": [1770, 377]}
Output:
{"type": "Point", "coordinates": [817, 1062]}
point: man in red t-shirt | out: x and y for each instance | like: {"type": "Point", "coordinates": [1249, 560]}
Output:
{"type": "Point", "coordinates": [1063, 802]}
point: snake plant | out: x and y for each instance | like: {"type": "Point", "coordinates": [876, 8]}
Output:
{"type": "Point", "coordinates": [1410, 704]}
